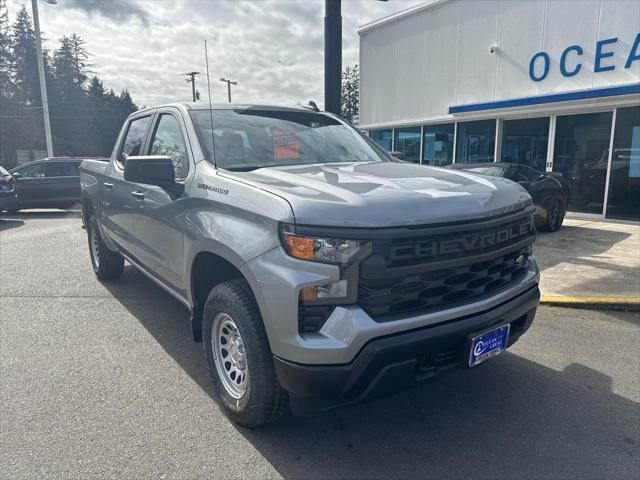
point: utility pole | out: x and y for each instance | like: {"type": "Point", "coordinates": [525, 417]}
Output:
{"type": "Point", "coordinates": [332, 56]}
{"type": "Point", "coordinates": [43, 84]}
{"type": "Point", "coordinates": [191, 78]}
{"type": "Point", "coordinates": [229, 83]}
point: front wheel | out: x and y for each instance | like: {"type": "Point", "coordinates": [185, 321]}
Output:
{"type": "Point", "coordinates": [106, 264]}
{"type": "Point", "coordinates": [556, 211]}
{"type": "Point", "coordinates": [239, 357]}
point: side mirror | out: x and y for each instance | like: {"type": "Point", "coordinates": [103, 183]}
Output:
{"type": "Point", "coordinates": [152, 170]}
{"type": "Point", "coordinates": [16, 175]}
{"type": "Point", "coordinates": [396, 154]}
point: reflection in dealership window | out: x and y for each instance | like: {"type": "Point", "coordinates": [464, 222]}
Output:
{"type": "Point", "coordinates": [382, 137]}
{"type": "Point", "coordinates": [580, 154]}
{"type": "Point", "coordinates": [437, 147]}
{"type": "Point", "coordinates": [476, 141]}
{"type": "Point", "coordinates": [407, 141]}
{"type": "Point", "coordinates": [624, 185]}
{"type": "Point", "coordinates": [525, 141]}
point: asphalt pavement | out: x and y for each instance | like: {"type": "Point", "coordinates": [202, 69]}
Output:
{"type": "Point", "coordinates": [103, 381]}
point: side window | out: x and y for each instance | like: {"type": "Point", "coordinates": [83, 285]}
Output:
{"type": "Point", "coordinates": [528, 173]}
{"type": "Point", "coordinates": [168, 140]}
{"type": "Point", "coordinates": [133, 139]}
{"type": "Point", "coordinates": [61, 169]}
{"type": "Point", "coordinates": [32, 171]}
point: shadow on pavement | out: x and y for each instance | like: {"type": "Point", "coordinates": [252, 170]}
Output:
{"type": "Point", "coordinates": [9, 224]}
{"type": "Point", "coordinates": [510, 418]}
{"type": "Point", "coordinates": [576, 245]}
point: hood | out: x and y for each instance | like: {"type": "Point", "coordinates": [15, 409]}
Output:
{"type": "Point", "coordinates": [386, 194]}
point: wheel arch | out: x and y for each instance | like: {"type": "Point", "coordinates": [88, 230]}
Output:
{"type": "Point", "coordinates": [211, 265]}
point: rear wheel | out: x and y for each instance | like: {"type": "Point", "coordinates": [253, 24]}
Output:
{"type": "Point", "coordinates": [106, 264]}
{"type": "Point", "coordinates": [556, 210]}
{"type": "Point", "coordinates": [239, 357]}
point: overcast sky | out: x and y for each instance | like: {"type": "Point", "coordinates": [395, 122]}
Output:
{"type": "Point", "coordinates": [273, 48]}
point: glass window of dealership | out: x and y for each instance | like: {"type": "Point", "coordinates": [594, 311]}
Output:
{"type": "Point", "coordinates": [598, 152]}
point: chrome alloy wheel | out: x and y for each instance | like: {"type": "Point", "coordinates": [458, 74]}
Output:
{"type": "Point", "coordinates": [229, 355]}
{"type": "Point", "coordinates": [95, 248]}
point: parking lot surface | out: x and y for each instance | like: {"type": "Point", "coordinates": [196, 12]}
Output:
{"type": "Point", "coordinates": [104, 381]}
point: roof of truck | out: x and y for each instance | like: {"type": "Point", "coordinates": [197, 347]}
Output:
{"type": "Point", "coordinates": [225, 106]}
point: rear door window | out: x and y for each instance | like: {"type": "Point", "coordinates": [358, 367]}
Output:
{"type": "Point", "coordinates": [133, 139]}
{"type": "Point", "coordinates": [61, 169]}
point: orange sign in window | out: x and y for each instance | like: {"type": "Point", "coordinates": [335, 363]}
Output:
{"type": "Point", "coordinates": [285, 145]}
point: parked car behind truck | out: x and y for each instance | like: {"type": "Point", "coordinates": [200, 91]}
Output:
{"type": "Point", "coordinates": [317, 271]}
{"type": "Point", "coordinates": [48, 183]}
{"type": "Point", "coordinates": [549, 191]}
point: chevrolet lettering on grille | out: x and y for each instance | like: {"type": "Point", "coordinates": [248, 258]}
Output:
{"type": "Point", "coordinates": [460, 244]}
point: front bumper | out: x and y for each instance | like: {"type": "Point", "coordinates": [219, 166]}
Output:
{"type": "Point", "coordinates": [276, 279]}
{"type": "Point", "coordinates": [396, 361]}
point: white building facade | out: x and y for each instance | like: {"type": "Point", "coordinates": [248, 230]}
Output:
{"type": "Point", "coordinates": [553, 84]}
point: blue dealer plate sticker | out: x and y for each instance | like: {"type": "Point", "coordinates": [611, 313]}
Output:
{"type": "Point", "coordinates": [488, 345]}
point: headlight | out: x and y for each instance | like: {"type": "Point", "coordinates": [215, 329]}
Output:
{"type": "Point", "coordinates": [344, 253]}
{"type": "Point", "coordinates": [326, 250]}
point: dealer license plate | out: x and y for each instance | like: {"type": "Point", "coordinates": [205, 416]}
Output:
{"type": "Point", "coordinates": [488, 344]}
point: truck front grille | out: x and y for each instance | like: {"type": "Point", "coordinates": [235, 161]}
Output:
{"type": "Point", "coordinates": [427, 271]}
{"type": "Point", "coordinates": [442, 288]}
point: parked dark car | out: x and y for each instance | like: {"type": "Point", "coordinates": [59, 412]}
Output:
{"type": "Point", "coordinates": [548, 191]}
{"type": "Point", "coordinates": [8, 199]}
{"type": "Point", "coordinates": [48, 183]}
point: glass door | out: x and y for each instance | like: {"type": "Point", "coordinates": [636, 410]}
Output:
{"type": "Point", "coordinates": [581, 155]}
{"type": "Point", "coordinates": [623, 201]}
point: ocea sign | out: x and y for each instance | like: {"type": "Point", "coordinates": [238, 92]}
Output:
{"type": "Point", "coordinates": [570, 61]}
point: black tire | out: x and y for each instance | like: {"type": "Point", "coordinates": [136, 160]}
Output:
{"type": "Point", "coordinates": [264, 399]}
{"type": "Point", "coordinates": [556, 210]}
{"type": "Point", "coordinates": [108, 265]}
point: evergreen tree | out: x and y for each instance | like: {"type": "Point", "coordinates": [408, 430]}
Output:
{"type": "Point", "coordinates": [350, 92]}
{"type": "Point", "coordinates": [23, 46]}
{"type": "Point", "coordinates": [85, 117]}
{"type": "Point", "coordinates": [6, 56]}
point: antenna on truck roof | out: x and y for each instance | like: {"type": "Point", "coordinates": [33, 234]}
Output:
{"type": "Point", "coordinates": [213, 140]}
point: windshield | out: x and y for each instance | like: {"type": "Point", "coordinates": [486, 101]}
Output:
{"type": "Point", "coordinates": [3, 172]}
{"type": "Point", "coordinates": [251, 138]}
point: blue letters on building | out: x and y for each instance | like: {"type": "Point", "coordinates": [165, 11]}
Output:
{"type": "Point", "coordinates": [570, 63]}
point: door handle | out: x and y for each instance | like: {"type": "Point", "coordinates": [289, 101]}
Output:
{"type": "Point", "coordinates": [108, 185]}
{"type": "Point", "coordinates": [138, 195]}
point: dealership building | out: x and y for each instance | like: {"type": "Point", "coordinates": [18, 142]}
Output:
{"type": "Point", "coordinates": [552, 84]}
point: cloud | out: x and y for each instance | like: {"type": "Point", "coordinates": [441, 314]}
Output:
{"type": "Point", "coordinates": [115, 9]}
{"type": "Point", "coordinates": [274, 49]}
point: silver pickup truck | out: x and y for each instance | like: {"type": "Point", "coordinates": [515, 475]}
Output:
{"type": "Point", "coordinates": [317, 270]}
